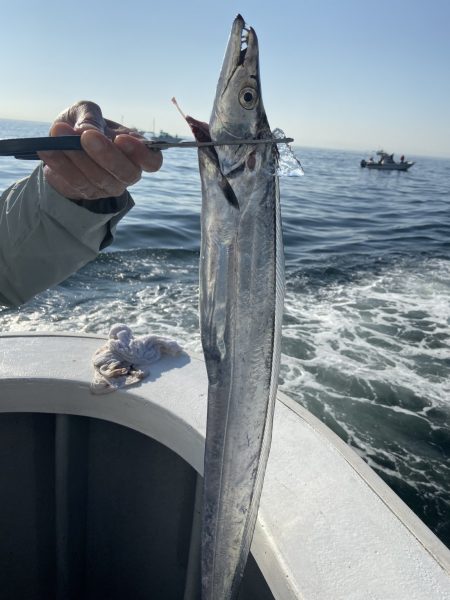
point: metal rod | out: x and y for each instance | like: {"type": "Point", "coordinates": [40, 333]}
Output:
{"type": "Point", "coordinates": [27, 148]}
{"type": "Point", "coordinates": [251, 142]}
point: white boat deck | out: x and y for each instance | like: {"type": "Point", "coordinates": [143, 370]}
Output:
{"type": "Point", "coordinates": [328, 527]}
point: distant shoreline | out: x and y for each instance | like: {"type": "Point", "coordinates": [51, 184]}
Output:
{"type": "Point", "coordinates": [362, 152]}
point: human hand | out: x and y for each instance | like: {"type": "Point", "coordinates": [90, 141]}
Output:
{"type": "Point", "coordinates": [113, 158]}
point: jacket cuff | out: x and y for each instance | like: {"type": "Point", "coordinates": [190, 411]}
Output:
{"type": "Point", "coordinates": [91, 221]}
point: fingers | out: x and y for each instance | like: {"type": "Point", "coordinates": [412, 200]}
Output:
{"type": "Point", "coordinates": [104, 169]}
{"type": "Point", "coordinates": [125, 159]}
{"type": "Point", "coordinates": [59, 128]}
{"type": "Point", "coordinates": [83, 115]}
{"type": "Point", "coordinates": [113, 129]}
{"type": "Point", "coordinates": [108, 156]}
{"type": "Point", "coordinates": [101, 171]}
{"type": "Point", "coordinates": [147, 159]}
{"type": "Point", "coordinates": [113, 158]}
{"type": "Point", "coordinates": [67, 179]}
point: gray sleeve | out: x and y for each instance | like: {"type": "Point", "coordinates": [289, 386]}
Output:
{"type": "Point", "coordinates": [45, 237]}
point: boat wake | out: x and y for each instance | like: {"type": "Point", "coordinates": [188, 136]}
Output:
{"type": "Point", "coordinates": [365, 348]}
{"type": "Point", "coordinates": [370, 358]}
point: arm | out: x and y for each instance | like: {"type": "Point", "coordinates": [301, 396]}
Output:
{"type": "Point", "coordinates": [44, 235]}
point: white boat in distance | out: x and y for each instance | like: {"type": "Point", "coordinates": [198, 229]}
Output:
{"type": "Point", "coordinates": [165, 137]}
{"type": "Point", "coordinates": [386, 162]}
{"type": "Point", "coordinates": [100, 495]}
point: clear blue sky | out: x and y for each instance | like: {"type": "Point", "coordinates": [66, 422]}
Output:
{"type": "Point", "coordinates": [340, 74]}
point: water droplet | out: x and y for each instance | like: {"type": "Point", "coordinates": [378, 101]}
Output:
{"type": "Point", "coordinates": [288, 164]}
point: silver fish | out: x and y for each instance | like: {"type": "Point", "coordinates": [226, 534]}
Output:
{"type": "Point", "coordinates": [241, 305]}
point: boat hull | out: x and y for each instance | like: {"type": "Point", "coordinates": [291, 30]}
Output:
{"type": "Point", "coordinates": [396, 167]}
{"type": "Point", "coordinates": [387, 166]}
{"type": "Point", "coordinates": [327, 527]}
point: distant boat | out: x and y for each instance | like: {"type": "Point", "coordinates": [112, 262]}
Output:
{"type": "Point", "coordinates": [165, 137]}
{"type": "Point", "coordinates": [386, 162]}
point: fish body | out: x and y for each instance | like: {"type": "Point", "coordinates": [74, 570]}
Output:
{"type": "Point", "coordinates": [241, 300]}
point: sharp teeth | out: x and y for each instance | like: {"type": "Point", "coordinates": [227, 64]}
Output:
{"type": "Point", "coordinates": [244, 39]}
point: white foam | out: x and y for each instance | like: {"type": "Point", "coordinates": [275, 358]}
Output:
{"type": "Point", "coordinates": [392, 328]}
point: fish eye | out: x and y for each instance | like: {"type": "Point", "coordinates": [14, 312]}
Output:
{"type": "Point", "coordinates": [248, 98]}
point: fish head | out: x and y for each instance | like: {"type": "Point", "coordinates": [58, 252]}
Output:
{"type": "Point", "coordinates": [238, 111]}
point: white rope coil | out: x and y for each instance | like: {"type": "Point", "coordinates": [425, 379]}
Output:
{"type": "Point", "coordinates": [124, 360]}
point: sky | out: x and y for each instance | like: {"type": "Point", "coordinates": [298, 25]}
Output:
{"type": "Point", "coordinates": [335, 74]}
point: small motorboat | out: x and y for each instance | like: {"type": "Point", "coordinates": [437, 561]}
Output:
{"type": "Point", "coordinates": [386, 162]}
{"type": "Point", "coordinates": [166, 137]}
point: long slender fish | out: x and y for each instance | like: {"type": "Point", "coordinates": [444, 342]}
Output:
{"type": "Point", "coordinates": [241, 304]}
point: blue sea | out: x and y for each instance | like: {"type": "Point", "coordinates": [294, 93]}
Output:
{"type": "Point", "coordinates": [366, 332]}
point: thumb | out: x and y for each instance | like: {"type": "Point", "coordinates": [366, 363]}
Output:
{"type": "Point", "coordinates": [83, 115]}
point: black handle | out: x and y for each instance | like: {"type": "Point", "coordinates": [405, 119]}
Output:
{"type": "Point", "coordinates": [26, 148]}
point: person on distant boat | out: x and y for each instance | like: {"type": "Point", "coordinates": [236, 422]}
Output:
{"type": "Point", "coordinates": [402, 158]}
{"type": "Point", "coordinates": [58, 219]}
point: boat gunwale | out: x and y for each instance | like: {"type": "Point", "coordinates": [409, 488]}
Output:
{"type": "Point", "coordinates": [183, 433]}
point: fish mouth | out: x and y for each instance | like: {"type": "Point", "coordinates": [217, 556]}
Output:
{"type": "Point", "coordinates": [242, 51]}
{"type": "Point", "coordinates": [237, 105]}
{"type": "Point", "coordinates": [240, 31]}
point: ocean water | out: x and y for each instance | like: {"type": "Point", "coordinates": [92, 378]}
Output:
{"type": "Point", "coordinates": [366, 332]}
